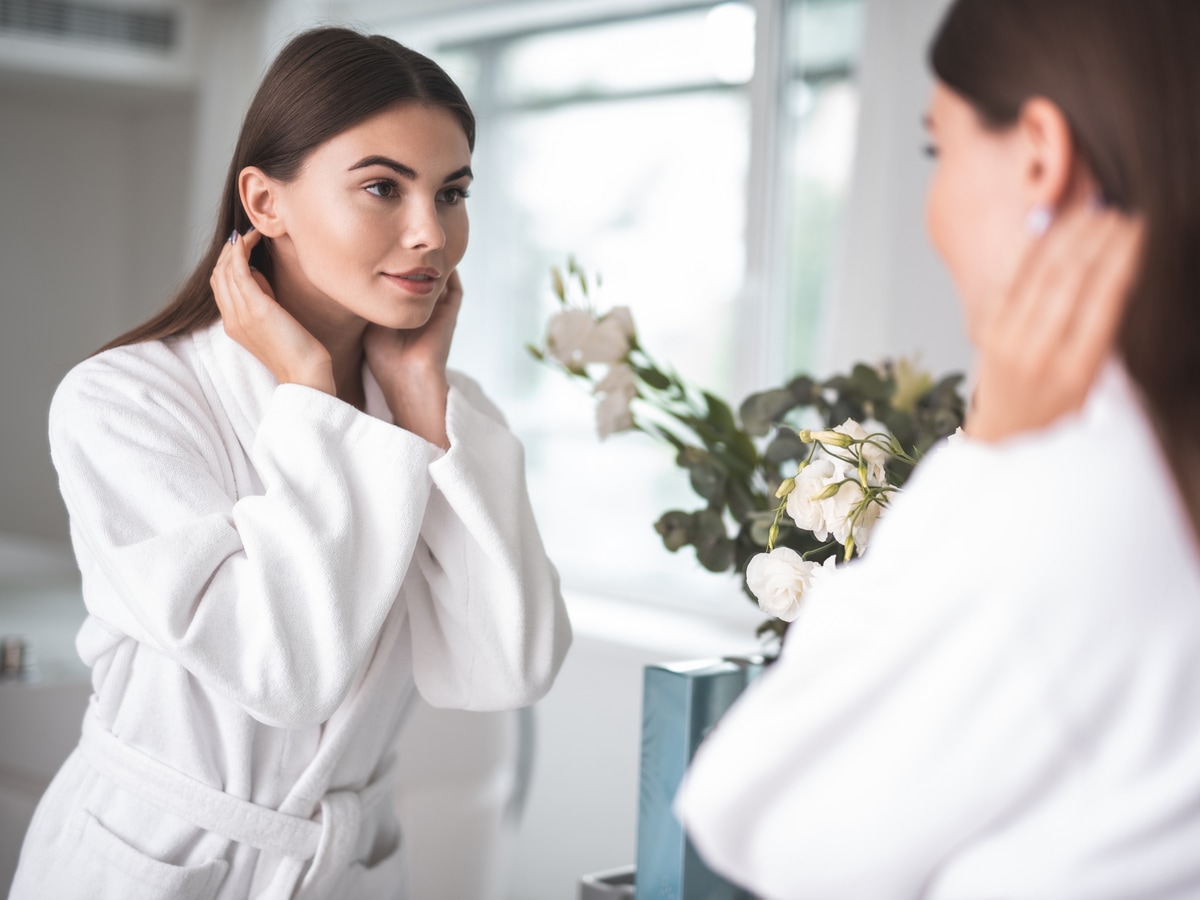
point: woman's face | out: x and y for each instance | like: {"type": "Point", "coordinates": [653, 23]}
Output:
{"type": "Point", "coordinates": [375, 221]}
{"type": "Point", "coordinates": [977, 203]}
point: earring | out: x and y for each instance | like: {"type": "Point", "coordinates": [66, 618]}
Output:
{"type": "Point", "coordinates": [1037, 221]}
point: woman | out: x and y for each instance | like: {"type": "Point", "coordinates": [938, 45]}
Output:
{"type": "Point", "coordinates": [289, 516]}
{"type": "Point", "coordinates": [1002, 698]}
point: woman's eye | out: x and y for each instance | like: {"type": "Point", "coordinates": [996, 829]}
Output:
{"type": "Point", "coordinates": [454, 195]}
{"type": "Point", "coordinates": [383, 188]}
{"type": "Point", "coordinates": [930, 150]}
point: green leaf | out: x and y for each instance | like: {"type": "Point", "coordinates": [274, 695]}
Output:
{"type": "Point", "coordinates": [804, 389]}
{"type": "Point", "coordinates": [708, 482]}
{"type": "Point", "coordinates": [760, 411]}
{"type": "Point", "coordinates": [740, 499]}
{"type": "Point", "coordinates": [653, 377]}
{"type": "Point", "coordinates": [716, 555]}
{"type": "Point", "coordinates": [719, 414]}
{"type": "Point", "coordinates": [707, 523]}
{"type": "Point", "coordinates": [675, 528]}
{"type": "Point", "coordinates": [868, 385]}
{"type": "Point", "coordinates": [784, 446]}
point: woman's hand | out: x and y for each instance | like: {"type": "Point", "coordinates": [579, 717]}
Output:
{"type": "Point", "coordinates": [410, 366]}
{"type": "Point", "coordinates": [1044, 344]}
{"type": "Point", "coordinates": [255, 320]}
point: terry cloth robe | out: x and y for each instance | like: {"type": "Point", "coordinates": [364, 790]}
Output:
{"type": "Point", "coordinates": [270, 574]}
{"type": "Point", "coordinates": [1001, 699]}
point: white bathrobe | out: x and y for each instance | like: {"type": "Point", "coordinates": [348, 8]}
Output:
{"type": "Point", "coordinates": [270, 575]}
{"type": "Point", "coordinates": [1000, 700]}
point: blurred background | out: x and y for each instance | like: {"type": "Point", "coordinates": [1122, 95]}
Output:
{"type": "Point", "coordinates": [746, 176]}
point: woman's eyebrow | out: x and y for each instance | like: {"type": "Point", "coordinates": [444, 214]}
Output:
{"type": "Point", "coordinates": [397, 167]}
{"type": "Point", "coordinates": [407, 171]}
{"type": "Point", "coordinates": [927, 122]}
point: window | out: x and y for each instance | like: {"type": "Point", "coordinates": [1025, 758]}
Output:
{"type": "Point", "coordinates": [696, 157]}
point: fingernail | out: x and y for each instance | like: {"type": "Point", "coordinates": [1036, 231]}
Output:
{"type": "Point", "coordinates": [233, 236]}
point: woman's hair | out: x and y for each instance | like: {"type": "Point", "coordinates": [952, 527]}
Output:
{"type": "Point", "coordinates": [1126, 76]}
{"type": "Point", "coordinates": [323, 82]}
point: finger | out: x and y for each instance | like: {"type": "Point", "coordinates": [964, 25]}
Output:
{"type": "Point", "coordinates": [1058, 289]}
{"type": "Point", "coordinates": [231, 280]}
{"type": "Point", "coordinates": [1111, 285]}
{"type": "Point", "coordinates": [1053, 278]}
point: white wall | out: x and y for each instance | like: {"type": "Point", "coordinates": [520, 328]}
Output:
{"type": "Point", "coordinates": [892, 296]}
{"type": "Point", "coordinates": [90, 241]}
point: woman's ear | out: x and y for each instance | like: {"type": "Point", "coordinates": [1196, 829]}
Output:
{"type": "Point", "coordinates": [260, 199]}
{"type": "Point", "coordinates": [1049, 148]}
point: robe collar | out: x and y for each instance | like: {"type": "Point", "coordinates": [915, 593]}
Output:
{"type": "Point", "coordinates": [244, 386]}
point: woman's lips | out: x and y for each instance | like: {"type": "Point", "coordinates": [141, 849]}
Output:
{"type": "Point", "coordinates": [415, 281]}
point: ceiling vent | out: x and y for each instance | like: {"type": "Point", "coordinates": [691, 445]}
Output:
{"type": "Point", "coordinates": [150, 30]}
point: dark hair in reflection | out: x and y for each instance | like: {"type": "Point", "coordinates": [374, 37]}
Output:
{"type": "Point", "coordinates": [323, 82]}
{"type": "Point", "coordinates": [1126, 75]}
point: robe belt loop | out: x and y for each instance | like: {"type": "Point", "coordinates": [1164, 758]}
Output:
{"type": "Point", "coordinates": [332, 838]}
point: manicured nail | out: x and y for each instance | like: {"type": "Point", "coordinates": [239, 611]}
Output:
{"type": "Point", "coordinates": [233, 236]}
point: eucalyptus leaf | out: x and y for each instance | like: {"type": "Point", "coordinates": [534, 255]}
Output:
{"type": "Point", "coordinates": [653, 377]}
{"type": "Point", "coordinates": [804, 389]}
{"type": "Point", "coordinates": [868, 385]}
{"type": "Point", "coordinates": [707, 481]}
{"type": "Point", "coordinates": [708, 523]}
{"type": "Point", "coordinates": [784, 446]}
{"type": "Point", "coordinates": [715, 555]}
{"type": "Point", "coordinates": [762, 410]}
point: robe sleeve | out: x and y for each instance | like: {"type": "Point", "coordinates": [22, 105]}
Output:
{"type": "Point", "coordinates": [274, 600]}
{"type": "Point", "coordinates": [909, 710]}
{"type": "Point", "coordinates": [492, 630]}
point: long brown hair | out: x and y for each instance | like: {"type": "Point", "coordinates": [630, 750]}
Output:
{"type": "Point", "coordinates": [1126, 75]}
{"type": "Point", "coordinates": [323, 82]}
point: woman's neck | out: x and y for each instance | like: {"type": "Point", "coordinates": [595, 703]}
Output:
{"type": "Point", "coordinates": [338, 330]}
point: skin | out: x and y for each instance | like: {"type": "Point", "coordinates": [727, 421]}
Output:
{"type": "Point", "coordinates": [1043, 311]}
{"type": "Point", "coordinates": [342, 234]}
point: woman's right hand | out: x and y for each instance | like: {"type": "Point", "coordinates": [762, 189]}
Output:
{"type": "Point", "coordinates": [254, 319]}
{"type": "Point", "coordinates": [1045, 343]}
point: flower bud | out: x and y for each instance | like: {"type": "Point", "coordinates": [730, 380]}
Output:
{"type": "Point", "coordinates": [785, 487]}
{"type": "Point", "coordinates": [830, 491]}
{"type": "Point", "coordinates": [831, 438]}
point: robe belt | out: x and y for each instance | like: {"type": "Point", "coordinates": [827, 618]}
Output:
{"type": "Point", "coordinates": [329, 842]}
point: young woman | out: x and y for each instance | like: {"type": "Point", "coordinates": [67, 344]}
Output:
{"type": "Point", "coordinates": [289, 516]}
{"type": "Point", "coordinates": [1002, 699]}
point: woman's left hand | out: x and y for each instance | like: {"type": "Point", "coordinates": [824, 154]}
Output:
{"type": "Point", "coordinates": [1045, 343]}
{"type": "Point", "coordinates": [410, 366]}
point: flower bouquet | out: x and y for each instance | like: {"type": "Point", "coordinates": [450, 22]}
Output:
{"type": "Point", "coordinates": [793, 483]}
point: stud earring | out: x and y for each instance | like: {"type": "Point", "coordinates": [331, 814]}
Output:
{"type": "Point", "coordinates": [1037, 221]}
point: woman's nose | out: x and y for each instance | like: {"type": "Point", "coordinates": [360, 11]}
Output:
{"type": "Point", "coordinates": [423, 226]}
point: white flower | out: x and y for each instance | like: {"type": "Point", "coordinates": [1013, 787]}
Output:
{"type": "Point", "coordinates": [609, 339]}
{"type": "Point", "coordinates": [839, 510]}
{"type": "Point", "coordinates": [875, 437]}
{"type": "Point", "coordinates": [846, 514]}
{"type": "Point", "coordinates": [804, 504]}
{"type": "Point", "coordinates": [575, 338]}
{"type": "Point", "coordinates": [616, 391]}
{"type": "Point", "coordinates": [779, 579]}
{"type": "Point", "coordinates": [566, 333]}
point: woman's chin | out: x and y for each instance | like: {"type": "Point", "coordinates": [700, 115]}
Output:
{"type": "Point", "coordinates": [406, 318]}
